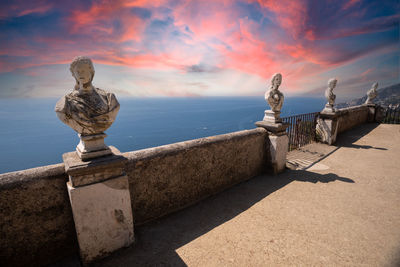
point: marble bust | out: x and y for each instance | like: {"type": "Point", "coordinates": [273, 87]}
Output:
{"type": "Point", "coordinates": [87, 110]}
{"type": "Point", "coordinates": [274, 99]}
{"type": "Point", "coordinates": [372, 94]}
{"type": "Point", "coordinates": [330, 96]}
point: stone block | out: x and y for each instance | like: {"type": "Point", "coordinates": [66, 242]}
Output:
{"type": "Point", "coordinates": [101, 205]}
{"type": "Point", "coordinates": [278, 144]}
{"type": "Point", "coordinates": [273, 128]}
{"type": "Point", "coordinates": [371, 112]}
{"type": "Point", "coordinates": [95, 170]}
{"type": "Point", "coordinates": [103, 217]}
{"type": "Point", "coordinates": [278, 150]}
{"type": "Point", "coordinates": [327, 128]}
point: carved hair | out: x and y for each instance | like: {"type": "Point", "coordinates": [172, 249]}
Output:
{"type": "Point", "coordinates": [81, 60]}
{"type": "Point", "coordinates": [375, 85]}
{"type": "Point", "coordinates": [332, 83]}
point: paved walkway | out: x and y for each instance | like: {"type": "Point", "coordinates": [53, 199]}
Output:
{"type": "Point", "coordinates": [305, 157]}
{"type": "Point", "coordinates": [343, 210]}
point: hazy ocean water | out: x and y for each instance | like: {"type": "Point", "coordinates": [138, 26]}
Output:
{"type": "Point", "coordinates": [31, 134]}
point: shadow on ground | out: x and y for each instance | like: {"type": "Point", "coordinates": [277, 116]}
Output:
{"type": "Point", "coordinates": [156, 242]}
{"type": "Point", "coordinates": [348, 139]}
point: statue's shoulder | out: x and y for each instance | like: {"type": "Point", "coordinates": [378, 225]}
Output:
{"type": "Point", "coordinates": [61, 104]}
{"type": "Point", "coordinates": [111, 99]}
{"type": "Point", "coordinates": [64, 102]}
{"type": "Point", "coordinates": [101, 91]}
{"type": "Point", "coordinates": [105, 93]}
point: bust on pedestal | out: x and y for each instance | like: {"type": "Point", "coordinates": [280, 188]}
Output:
{"type": "Point", "coordinates": [98, 187]}
{"type": "Point", "coordinates": [272, 122]}
{"type": "Point", "coordinates": [371, 95]}
{"type": "Point", "coordinates": [327, 123]}
{"type": "Point", "coordinates": [275, 100]}
{"type": "Point", "coordinates": [88, 110]}
{"type": "Point", "coordinates": [330, 96]}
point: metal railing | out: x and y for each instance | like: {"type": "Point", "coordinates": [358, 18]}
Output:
{"type": "Point", "coordinates": [392, 116]}
{"type": "Point", "coordinates": [301, 130]}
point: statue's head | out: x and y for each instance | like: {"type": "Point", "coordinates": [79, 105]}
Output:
{"type": "Point", "coordinates": [276, 80]}
{"type": "Point", "coordinates": [82, 69]}
{"type": "Point", "coordinates": [375, 86]}
{"type": "Point", "coordinates": [332, 83]}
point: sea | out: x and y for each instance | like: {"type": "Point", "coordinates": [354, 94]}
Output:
{"type": "Point", "coordinates": [31, 135]}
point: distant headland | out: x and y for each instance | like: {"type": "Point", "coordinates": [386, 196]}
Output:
{"type": "Point", "coordinates": [387, 97]}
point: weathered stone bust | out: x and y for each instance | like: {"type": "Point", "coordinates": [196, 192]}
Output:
{"type": "Point", "coordinates": [273, 96]}
{"type": "Point", "coordinates": [275, 99]}
{"type": "Point", "coordinates": [87, 110]}
{"type": "Point", "coordinates": [372, 94]}
{"type": "Point", "coordinates": [330, 96]}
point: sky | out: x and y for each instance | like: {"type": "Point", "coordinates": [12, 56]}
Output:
{"type": "Point", "coordinates": [199, 48]}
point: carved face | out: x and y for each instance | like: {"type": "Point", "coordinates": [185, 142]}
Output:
{"type": "Point", "coordinates": [82, 73]}
{"type": "Point", "coordinates": [277, 80]}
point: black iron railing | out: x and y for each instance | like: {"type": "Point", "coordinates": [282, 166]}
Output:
{"type": "Point", "coordinates": [301, 130]}
{"type": "Point", "coordinates": [392, 116]}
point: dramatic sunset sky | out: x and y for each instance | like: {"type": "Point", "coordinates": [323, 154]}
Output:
{"type": "Point", "coordinates": [147, 48]}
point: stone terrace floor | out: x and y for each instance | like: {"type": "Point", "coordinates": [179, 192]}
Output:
{"type": "Point", "coordinates": [338, 206]}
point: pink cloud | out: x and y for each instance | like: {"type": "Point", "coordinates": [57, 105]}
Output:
{"type": "Point", "coordinates": [290, 15]}
{"type": "Point", "coordinates": [219, 19]}
{"type": "Point", "coordinates": [234, 38]}
{"type": "Point", "coordinates": [248, 54]}
{"type": "Point", "coordinates": [350, 3]}
{"type": "Point", "coordinates": [97, 21]}
{"type": "Point", "coordinates": [19, 8]}
{"type": "Point", "coordinates": [38, 9]}
{"type": "Point", "coordinates": [206, 34]}
{"type": "Point", "coordinates": [368, 71]}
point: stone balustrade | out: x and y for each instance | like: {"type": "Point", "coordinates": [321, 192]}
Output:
{"type": "Point", "coordinates": [37, 225]}
{"type": "Point", "coordinates": [329, 125]}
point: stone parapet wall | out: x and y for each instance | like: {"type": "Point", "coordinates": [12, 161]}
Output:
{"type": "Point", "coordinates": [36, 223]}
{"type": "Point", "coordinates": [351, 117]}
{"type": "Point", "coordinates": [168, 178]}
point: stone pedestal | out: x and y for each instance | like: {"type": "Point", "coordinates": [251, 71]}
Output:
{"type": "Point", "coordinates": [101, 204]}
{"type": "Point", "coordinates": [371, 112]}
{"type": "Point", "coordinates": [327, 127]}
{"type": "Point", "coordinates": [272, 116]}
{"type": "Point", "coordinates": [379, 114]}
{"type": "Point", "coordinates": [328, 109]}
{"type": "Point", "coordinates": [278, 144]}
{"type": "Point", "coordinates": [92, 146]}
